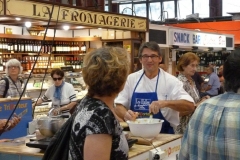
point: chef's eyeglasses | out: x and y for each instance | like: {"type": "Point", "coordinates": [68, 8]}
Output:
{"type": "Point", "coordinates": [13, 67]}
{"type": "Point", "coordinates": [55, 79]}
{"type": "Point", "coordinates": [146, 57]}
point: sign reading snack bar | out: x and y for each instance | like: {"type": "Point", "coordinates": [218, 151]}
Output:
{"type": "Point", "coordinates": [192, 38]}
{"type": "Point", "coordinates": [42, 11]}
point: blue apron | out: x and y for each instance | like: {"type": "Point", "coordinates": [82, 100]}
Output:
{"type": "Point", "coordinates": [140, 103]}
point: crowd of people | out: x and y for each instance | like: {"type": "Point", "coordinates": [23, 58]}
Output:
{"type": "Point", "coordinates": [188, 105]}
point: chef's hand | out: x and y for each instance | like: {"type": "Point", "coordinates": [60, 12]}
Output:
{"type": "Point", "coordinates": [130, 115]}
{"type": "Point", "coordinates": [206, 97]}
{"type": "Point", "coordinates": [155, 106]}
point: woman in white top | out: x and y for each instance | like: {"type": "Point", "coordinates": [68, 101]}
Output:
{"type": "Point", "coordinates": [61, 93]}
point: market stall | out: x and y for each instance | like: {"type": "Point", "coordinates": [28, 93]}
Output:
{"type": "Point", "coordinates": [212, 48]}
{"type": "Point", "coordinates": [41, 44]}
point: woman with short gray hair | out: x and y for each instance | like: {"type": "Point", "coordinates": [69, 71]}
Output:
{"type": "Point", "coordinates": [11, 85]}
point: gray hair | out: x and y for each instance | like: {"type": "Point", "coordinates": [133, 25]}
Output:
{"type": "Point", "coordinates": [13, 62]}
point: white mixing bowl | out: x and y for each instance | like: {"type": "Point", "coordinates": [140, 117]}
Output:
{"type": "Point", "coordinates": [145, 127]}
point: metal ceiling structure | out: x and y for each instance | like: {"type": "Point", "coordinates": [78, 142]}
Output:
{"type": "Point", "coordinates": [215, 9]}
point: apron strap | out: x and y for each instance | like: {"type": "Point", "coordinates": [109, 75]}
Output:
{"type": "Point", "coordinates": [141, 78]}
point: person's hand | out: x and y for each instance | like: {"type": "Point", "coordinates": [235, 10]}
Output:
{"type": "Point", "coordinates": [13, 122]}
{"type": "Point", "coordinates": [56, 111]}
{"type": "Point", "coordinates": [155, 106]}
{"type": "Point", "coordinates": [207, 97]}
{"type": "Point", "coordinates": [2, 123]}
{"type": "Point", "coordinates": [130, 115]}
{"type": "Point", "coordinates": [34, 105]}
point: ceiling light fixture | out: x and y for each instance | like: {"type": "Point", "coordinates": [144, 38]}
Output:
{"type": "Point", "coordinates": [79, 27]}
{"type": "Point", "coordinates": [28, 24]}
{"type": "Point", "coordinates": [18, 19]}
{"type": "Point", "coordinates": [66, 28]}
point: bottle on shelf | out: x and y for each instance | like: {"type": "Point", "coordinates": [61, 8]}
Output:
{"type": "Point", "coordinates": [71, 48]}
{"type": "Point", "coordinates": [15, 47]}
{"type": "Point", "coordinates": [83, 48]}
{"type": "Point", "coordinates": [76, 63]}
{"type": "Point", "coordinates": [5, 45]}
{"type": "Point", "coordinates": [73, 63]}
{"type": "Point", "coordinates": [76, 48]}
{"type": "Point", "coordinates": [1, 65]}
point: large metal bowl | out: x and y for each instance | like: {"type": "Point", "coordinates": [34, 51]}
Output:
{"type": "Point", "coordinates": [48, 126]}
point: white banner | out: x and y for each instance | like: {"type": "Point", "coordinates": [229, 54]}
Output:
{"type": "Point", "coordinates": [191, 38]}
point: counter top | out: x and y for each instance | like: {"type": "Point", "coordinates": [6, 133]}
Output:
{"type": "Point", "coordinates": [134, 151]}
{"type": "Point", "coordinates": [161, 139]}
{"type": "Point", "coordinates": [21, 150]}
{"type": "Point", "coordinates": [13, 99]}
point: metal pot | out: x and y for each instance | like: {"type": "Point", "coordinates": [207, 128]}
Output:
{"type": "Point", "coordinates": [48, 126]}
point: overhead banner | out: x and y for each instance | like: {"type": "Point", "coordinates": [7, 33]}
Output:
{"type": "Point", "coordinates": [42, 11]}
{"type": "Point", "coordinates": [191, 38]}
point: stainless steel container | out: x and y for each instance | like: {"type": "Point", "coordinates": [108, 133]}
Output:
{"type": "Point", "coordinates": [48, 126]}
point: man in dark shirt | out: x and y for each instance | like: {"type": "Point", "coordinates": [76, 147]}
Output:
{"type": "Point", "coordinates": [198, 81]}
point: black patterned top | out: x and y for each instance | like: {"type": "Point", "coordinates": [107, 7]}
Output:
{"type": "Point", "coordinates": [94, 117]}
{"type": "Point", "coordinates": [192, 90]}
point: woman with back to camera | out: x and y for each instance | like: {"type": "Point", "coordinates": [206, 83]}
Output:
{"type": "Point", "coordinates": [96, 132]}
{"type": "Point", "coordinates": [187, 66]}
{"type": "Point", "coordinates": [61, 93]}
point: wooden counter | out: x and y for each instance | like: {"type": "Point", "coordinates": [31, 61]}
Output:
{"type": "Point", "coordinates": [13, 99]}
{"type": "Point", "coordinates": [160, 140]}
{"type": "Point", "coordinates": [35, 154]}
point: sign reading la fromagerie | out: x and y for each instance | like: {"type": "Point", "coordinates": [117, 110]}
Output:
{"type": "Point", "coordinates": [42, 11]}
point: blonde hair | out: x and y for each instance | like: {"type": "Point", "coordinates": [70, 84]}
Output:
{"type": "Point", "coordinates": [105, 70]}
{"type": "Point", "coordinates": [13, 62]}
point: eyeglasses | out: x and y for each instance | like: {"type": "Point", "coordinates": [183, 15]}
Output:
{"type": "Point", "coordinates": [11, 67]}
{"type": "Point", "coordinates": [194, 65]}
{"type": "Point", "coordinates": [146, 57]}
{"type": "Point", "coordinates": [55, 79]}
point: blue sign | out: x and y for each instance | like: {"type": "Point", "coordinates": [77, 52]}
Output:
{"type": "Point", "coordinates": [24, 110]}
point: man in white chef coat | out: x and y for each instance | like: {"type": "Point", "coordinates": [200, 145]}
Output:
{"type": "Point", "coordinates": [152, 90]}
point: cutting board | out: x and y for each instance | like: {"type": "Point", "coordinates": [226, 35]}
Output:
{"type": "Point", "coordinates": [143, 141]}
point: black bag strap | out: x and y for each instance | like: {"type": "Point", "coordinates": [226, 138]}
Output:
{"type": "Point", "coordinates": [58, 147]}
{"type": "Point", "coordinates": [6, 86]}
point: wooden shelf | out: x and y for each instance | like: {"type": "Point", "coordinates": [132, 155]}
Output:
{"type": "Point", "coordinates": [116, 40]}
{"type": "Point", "coordinates": [43, 54]}
{"type": "Point", "coordinates": [29, 37]}
{"type": "Point", "coordinates": [31, 54]}
{"type": "Point", "coordinates": [197, 71]}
